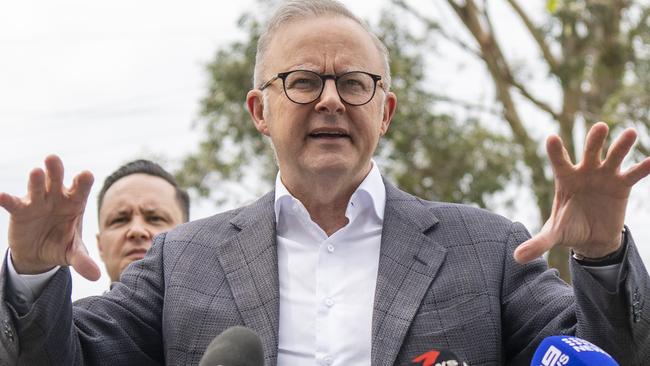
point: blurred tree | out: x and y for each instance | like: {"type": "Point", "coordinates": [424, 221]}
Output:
{"type": "Point", "coordinates": [595, 52]}
{"type": "Point", "coordinates": [432, 155]}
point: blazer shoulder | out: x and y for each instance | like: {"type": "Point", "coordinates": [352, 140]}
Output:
{"type": "Point", "coordinates": [225, 224]}
{"type": "Point", "coordinates": [480, 224]}
{"type": "Point", "coordinates": [460, 220]}
{"type": "Point", "coordinates": [216, 222]}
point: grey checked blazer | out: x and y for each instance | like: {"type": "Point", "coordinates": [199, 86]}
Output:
{"type": "Point", "coordinates": [446, 279]}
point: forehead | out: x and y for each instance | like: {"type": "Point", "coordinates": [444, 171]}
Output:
{"type": "Point", "coordinates": [138, 190]}
{"type": "Point", "coordinates": [326, 43]}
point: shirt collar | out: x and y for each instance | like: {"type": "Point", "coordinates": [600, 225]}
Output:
{"type": "Point", "coordinates": [371, 192]}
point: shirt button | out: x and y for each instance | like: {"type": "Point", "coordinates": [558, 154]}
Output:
{"type": "Point", "coordinates": [329, 302]}
{"type": "Point", "coordinates": [330, 248]}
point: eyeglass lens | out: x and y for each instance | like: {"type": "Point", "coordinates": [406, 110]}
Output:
{"type": "Point", "coordinates": [354, 88]}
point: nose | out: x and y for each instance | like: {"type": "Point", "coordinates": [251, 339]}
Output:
{"type": "Point", "coordinates": [139, 231]}
{"type": "Point", "coordinates": [330, 101]}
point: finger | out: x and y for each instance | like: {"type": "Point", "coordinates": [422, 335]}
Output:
{"type": "Point", "coordinates": [637, 172]}
{"type": "Point", "coordinates": [9, 202]}
{"type": "Point", "coordinates": [36, 185]}
{"type": "Point", "coordinates": [619, 149]}
{"type": "Point", "coordinates": [81, 185]}
{"type": "Point", "coordinates": [594, 145]}
{"type": "Point", "coordinates": [532, 248]}
{"type": "Point", "coordinates": [84, 265]}
{"type": "Point", "coordinates": [559, 156]}
{"type": "Point", "coordinates": [54, 170]}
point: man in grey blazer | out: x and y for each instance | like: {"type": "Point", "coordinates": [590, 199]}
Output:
{"type": "Point", "coordinates": [335, 266]}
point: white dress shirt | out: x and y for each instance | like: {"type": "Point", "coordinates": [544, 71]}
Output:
{"type": "Point", "coordinates": [327, 284]}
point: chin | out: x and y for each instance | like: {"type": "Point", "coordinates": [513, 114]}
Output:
{"type": "Point", "coordinates": [337, 166]}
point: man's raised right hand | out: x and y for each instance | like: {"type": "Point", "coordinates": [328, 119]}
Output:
{"type": "Point", "coordinates": [45, 226]}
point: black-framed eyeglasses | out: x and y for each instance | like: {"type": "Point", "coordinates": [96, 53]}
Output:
{"type": "Point", "coordinates": [355, 88]}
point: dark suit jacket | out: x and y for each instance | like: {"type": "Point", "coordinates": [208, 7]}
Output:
{"type": "Point", "coordinates": [446, 279]}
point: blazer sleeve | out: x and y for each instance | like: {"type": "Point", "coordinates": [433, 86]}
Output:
{"type": "Point", "coordinates": [122, 327]}
{"type": "Point", "coordinates": [8, 337]}
{"type": "Point", "coordinates": [536, 303]}
{"type": "Point", "coordinates": [618, 319]}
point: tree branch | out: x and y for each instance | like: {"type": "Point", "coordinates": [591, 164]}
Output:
{"type": "Point", "coordinates": [497, 65]}
{"type": "Point", "coordinates": [432, 25]}
{"type": "Point", "coordinates": [467, 105]}
{"type": "Point", "coordinates": [539, 103]}
{"type": "Point", "coordinates": [537, 35]}
{"type": "Point", "coordinates": [511, 79]}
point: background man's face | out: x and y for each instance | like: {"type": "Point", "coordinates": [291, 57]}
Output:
{"type": "Point", "coordinates": [326, 136]}
{"type": "Point", "coordinates": [135, 208]}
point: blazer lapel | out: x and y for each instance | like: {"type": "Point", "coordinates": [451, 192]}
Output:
{"type": "Point", "coordinates": [408, 262]}
{"type": "Point", "coordinates": [251, 264]}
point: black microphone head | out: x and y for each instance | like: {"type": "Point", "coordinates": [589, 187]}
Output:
{"type": "Point", "coordinates": [236, 346]}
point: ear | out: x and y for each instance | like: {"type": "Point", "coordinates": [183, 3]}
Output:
{"type": "Point", "coordinates": [100, 246]}
{"type": "Point", "coordinates": [390, 104]}
{"type": "Point", "coordinates": [255, 104]}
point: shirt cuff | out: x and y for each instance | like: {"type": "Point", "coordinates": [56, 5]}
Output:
{"type": "Point", "coordinates": [25, 288]}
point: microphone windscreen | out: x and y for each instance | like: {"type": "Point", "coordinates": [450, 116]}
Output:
{"type": "Point", "coordinates": [570, 351]}
{"type": "Point", "coordinates": [236, 346]}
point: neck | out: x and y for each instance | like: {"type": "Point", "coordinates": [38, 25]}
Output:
{"type": "Point", "coordinates": [326, 198]}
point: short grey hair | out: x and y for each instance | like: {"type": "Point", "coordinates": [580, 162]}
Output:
{"type": "Point", "coordinates": [294, 10]}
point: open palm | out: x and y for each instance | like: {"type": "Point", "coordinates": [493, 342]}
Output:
{"type": "Point", "coordinates": [590, 197]}
{"type": "Point", "coordinates": [45, 225]}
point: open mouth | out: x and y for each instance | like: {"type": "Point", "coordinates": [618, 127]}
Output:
{"type": "Point", "coordinates": [329, 135]}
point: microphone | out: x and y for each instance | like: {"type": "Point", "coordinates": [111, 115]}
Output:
{"type": "Point", "coordinates": [442, 357]}
{"type": "Point", "coordinates": [570, 351]}
{"type": "Point", "coordinates": [236, 346]}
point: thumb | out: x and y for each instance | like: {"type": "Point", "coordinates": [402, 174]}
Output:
{"type": "Point", "coordinates": [83, 264]}
{"type": "Point", "coordinates": [78, 256]}
{"type": "Point", "coordinates": [533, 248]}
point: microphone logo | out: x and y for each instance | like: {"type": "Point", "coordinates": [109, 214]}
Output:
{"type": "Point", "coordinates": [427, 359]}
{"type": "Point", "coordinates": [438, 358]}
{"type": "Point", "coordinates": [554, 357]}
{"type": "Point", "coordinates": [580, 345]}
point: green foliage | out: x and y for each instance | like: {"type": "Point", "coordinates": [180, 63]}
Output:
{"type": "Point", "coordinates": [230, 142]}
{"type": "Point", "coordinates": [437, 156]}
{"type": "Point", "coordinates": [596, 54]}
{"type": "Point", "coordinates": [432, 155]}
{"type": "Point", "coordinates": [606, 47]}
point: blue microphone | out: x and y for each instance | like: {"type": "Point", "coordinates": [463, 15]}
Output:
{"type": "Point", "coordinates": [570, 351]}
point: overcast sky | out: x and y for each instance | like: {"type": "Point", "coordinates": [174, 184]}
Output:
{"type": "Point", "coordinates": [102, 83]}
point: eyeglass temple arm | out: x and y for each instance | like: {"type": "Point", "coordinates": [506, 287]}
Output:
{"type": "Point", "coordinates": [266, 85]}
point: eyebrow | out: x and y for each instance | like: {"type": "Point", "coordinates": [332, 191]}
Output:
{"type": "Point", "coordinates": [120, 212]}
{"type": "Point", "coordinates": [316, 68]}
{"type": "Point", "coordinates": [305, 66]}
{"type": "Point", "coordinates": [113, 214]}
{"type": "Point", "coordinates": [155, 210]}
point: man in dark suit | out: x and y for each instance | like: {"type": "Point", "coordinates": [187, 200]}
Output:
{"type": "Point", "coordinates": [336, 266]}
{"type": "Point", "coordinates": [137, 201]}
